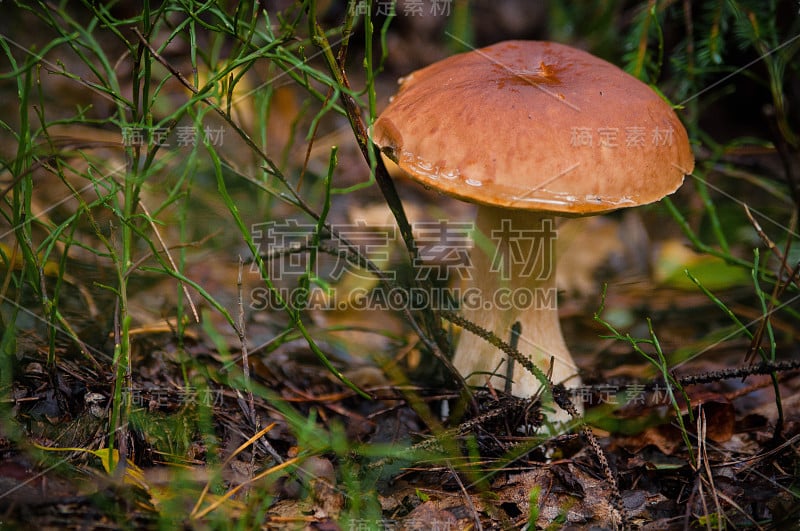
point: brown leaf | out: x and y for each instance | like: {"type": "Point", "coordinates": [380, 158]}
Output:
{"type": "Point", "coordinates": [665, 437]}
{"type": "Point", "coordinates": [720, 416]}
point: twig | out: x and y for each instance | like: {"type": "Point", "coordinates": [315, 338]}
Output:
{"type": "Point", "coordinates": [250, 410]}
{"type": "Point", "coordinates": [171, 260]}
{"type": "Point", "coordinates": [475, 517]}
{"type": "Point", "coordinates": [561, 397]}
{"type": "Point", "coordinates": [774, 249]}
{"type": "Point", "coordinates": [495, 341]}
{"type": "Point", "coordinates": [765, 367]}
{"type": "Point", "coordinates": [516, 331]}
{"type": "Point", "coordinates": [440, 346]}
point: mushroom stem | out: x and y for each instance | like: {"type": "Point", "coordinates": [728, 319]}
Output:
{"type": "Point", "coordinates": [513, 280]}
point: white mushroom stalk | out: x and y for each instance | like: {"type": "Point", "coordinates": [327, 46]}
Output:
{"type": "Point", "coordinates": [513, 279]}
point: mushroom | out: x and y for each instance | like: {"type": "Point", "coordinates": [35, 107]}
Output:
{"type": "Point", "coordinates": [529, 131]}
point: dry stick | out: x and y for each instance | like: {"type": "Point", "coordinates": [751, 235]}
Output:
{"type": "Point", "coordinates": [762, 368]}
{"type": "Point", "coordinates": [240, 328]}
{"type": "Point", "coordinates": [777, 292]}
{"type": "Point", "coordinates": [780, 288]}
{"type": "Point", "coordinates": [516, 331]}
{"type": "Point", "coordinates": [782, 257]}
{"type": "Point", "coordinates": [702, 423]}
{"type": "Point", "coordinates": [475, 518]}
{"type": "Point", "coordinates": [702, 464]}
{"type": "Point", "coordinates": [337, 66]}
{"type": "Point", "coordinates": [440, 346]}
{"type": "Point", "coordinates": [495, 341]}
{"type": "Point", "coordinates": [120, 428]}
{"type": "Point", "coordinates": [250, 410]}
{"type": "Point", "coordinates": [770, 244]}
{"type": "Point", "coordinates": [392, 198]}
{"type": "Point", "coordinates": [169, 257]}
{"type": "Point", "coordinates": [560, 396]}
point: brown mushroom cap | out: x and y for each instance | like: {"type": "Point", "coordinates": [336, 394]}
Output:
{"type": "Point", "coordinates": [537, 126]}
